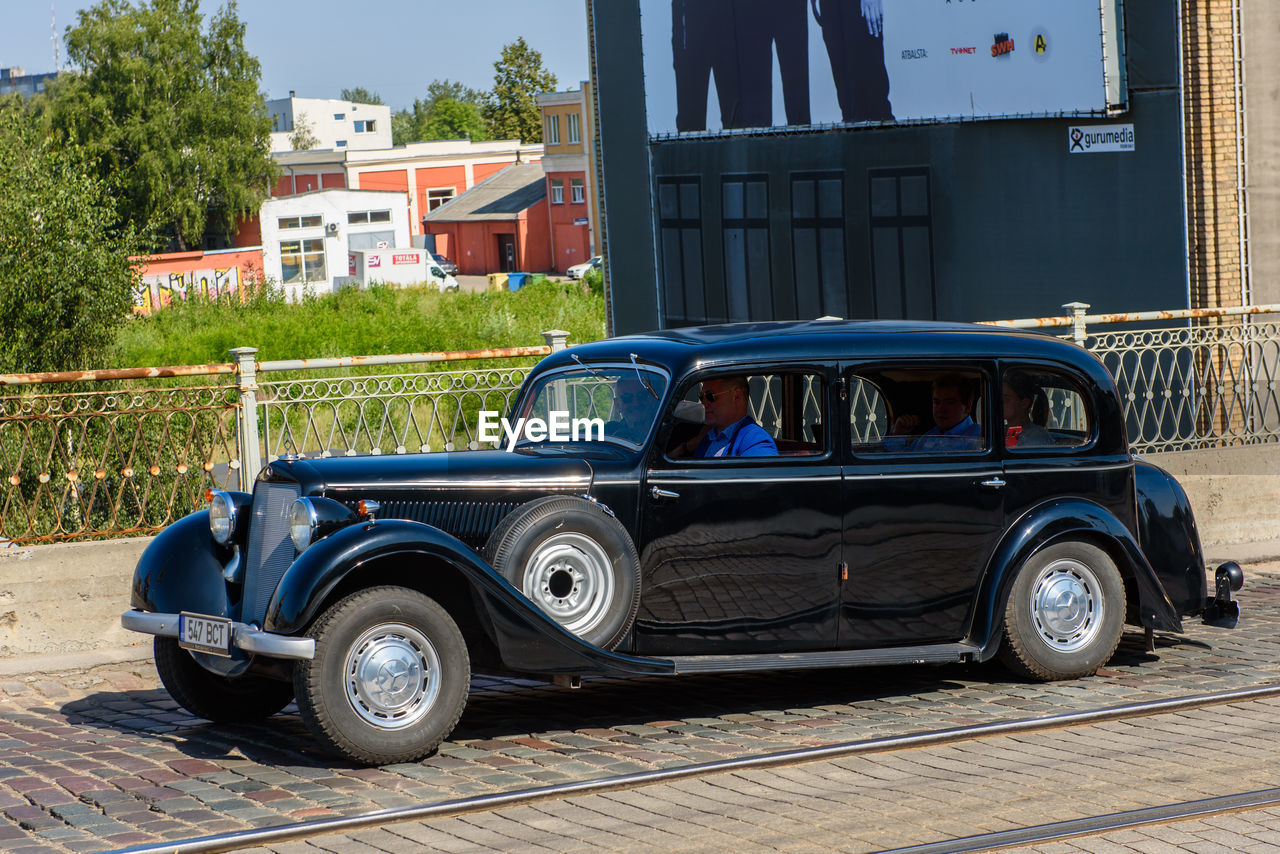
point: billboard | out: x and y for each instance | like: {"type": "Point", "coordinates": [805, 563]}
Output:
{"type": "Point", "coordinates": [727, 65]}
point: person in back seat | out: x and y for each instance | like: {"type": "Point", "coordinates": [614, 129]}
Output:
{"type": "Point", "coordinates": [953, 428]}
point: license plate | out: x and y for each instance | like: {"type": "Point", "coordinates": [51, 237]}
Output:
{"type": "Point", "coordinates": [204, 634]}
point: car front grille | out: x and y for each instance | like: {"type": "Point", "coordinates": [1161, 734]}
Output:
{"type": "Point", "coordinates": [270, 549]}
{"type": "Point", "coordinates": [469, 521]}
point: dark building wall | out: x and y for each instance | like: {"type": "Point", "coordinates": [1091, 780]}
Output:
{"type": "Point", "coordinates": [968, 221]}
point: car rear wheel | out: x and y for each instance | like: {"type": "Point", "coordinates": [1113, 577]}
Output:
{"type": "Point", "coordinates": [389, 678]}
{"type": "Point", "coordinates": [573, 560]}
{"type": "Point", "coordinates": [1065, 613]}
{"type": "Point", "coordinates": [222, 699]}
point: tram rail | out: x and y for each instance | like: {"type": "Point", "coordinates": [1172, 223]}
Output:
{"type": "Point", "coordinates": [235, 840]}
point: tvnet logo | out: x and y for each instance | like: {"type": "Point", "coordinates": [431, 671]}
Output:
{"type": "Point", "coordinates": [966, 51]}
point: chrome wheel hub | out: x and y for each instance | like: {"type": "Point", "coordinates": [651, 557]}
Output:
{"type": "Point", "coordinates": [570, 578]}
{"type": "Point", "coordinates": [1066, 605]}
{"type": "Point", "coordinates": [392, 676]}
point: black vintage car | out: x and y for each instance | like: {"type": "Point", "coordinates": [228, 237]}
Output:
{"type": "Point", "coordinates": [882, 531]}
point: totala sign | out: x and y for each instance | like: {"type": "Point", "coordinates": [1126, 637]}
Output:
{"type": "Point", "coordinates": [748, 64]}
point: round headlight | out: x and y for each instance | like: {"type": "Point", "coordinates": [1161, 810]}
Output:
{"type": "Point", "coordinates": [222, 516]}
{"type": "Point", "coordinates": [302, 523]}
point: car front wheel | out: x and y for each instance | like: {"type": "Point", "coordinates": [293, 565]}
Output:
{"type": "Point", "coordinates": [221, 699]}
{"type": "Point", "coordinates": [1065, 613]}
{"type": "Point", "coordinates": [389, 678]}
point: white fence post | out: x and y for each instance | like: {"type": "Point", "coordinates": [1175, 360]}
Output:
{"type": "Point", "coordinates": [557, 339]}
{"type": "Point", "coordinates": [1078, 331]}
{"type": "Point", "coordinates": [247, 416]}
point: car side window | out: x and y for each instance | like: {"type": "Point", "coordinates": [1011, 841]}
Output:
{"type": "Point", "coordinates": [1043, 408]}
{"type": "Point", "coordinates": [790, 407]}
{"type": "Point", "coordinates": [918, 410]}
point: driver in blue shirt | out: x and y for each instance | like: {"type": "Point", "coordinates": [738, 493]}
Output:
{"type": "Point", "coordinates": [730, 430]}
{"type": "Point", "coordinates": [953, 429]}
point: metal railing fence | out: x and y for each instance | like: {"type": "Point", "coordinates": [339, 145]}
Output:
{"type": "Point", "coordinates": [85, 461]}
{"type": "Point", "coordinates": [91, 462]}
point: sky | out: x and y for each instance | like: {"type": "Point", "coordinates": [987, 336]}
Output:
{"type": "Point", "coordinates": [320, 47]}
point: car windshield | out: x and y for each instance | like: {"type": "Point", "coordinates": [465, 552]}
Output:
{"type": "Point", "coordinates": [606, 404]}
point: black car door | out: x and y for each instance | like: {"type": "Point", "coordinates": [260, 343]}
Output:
{"type": "Point", "coordinates": [922, 513]}
{"type": "Point", "coordinates": [741, 555]}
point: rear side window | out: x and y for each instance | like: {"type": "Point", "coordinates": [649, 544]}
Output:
{"type": "Point", "coordinates": [918, 410]}
{"type": "Point", "coordinates": [1043, 408]}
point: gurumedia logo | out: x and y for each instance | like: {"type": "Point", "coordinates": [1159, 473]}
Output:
{"type": "Point", "coordinates": [1003, 45]}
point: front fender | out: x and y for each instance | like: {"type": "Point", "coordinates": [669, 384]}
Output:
{"type": "Point", "coordinates": [1057, 520]}
{"type": "Point", "coordinates": [181, 570]}
{"type": "Point", "coordinates": [527, 639]}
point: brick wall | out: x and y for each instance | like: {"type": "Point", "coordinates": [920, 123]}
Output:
{"type": "Point", "coordinates": [1209, 105]}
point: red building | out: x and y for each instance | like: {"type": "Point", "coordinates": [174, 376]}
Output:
{"type": "Point", "coordinates": [501, 224]}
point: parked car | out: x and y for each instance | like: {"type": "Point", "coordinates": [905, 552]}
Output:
{"type": "Point", "coordinates": [449, 268]}
{"type": "Point", "coordinates": [372, 588]}
{"type": "Point", "coordinates": [577, 271]}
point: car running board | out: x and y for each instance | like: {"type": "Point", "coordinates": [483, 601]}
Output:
{"type": "Point", "coordinates": [940, 653]}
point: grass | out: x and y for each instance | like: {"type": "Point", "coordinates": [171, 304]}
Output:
{"type": "Point", "coordinates": [352, 322]}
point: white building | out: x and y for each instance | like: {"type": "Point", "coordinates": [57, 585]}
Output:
{"type": "Point", "coordinates": [307, 238]}
{"type": "Point", "coordinates": [340, 125]}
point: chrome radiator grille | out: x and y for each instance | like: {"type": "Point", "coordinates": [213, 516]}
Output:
{"type": "Point", "coordinates": [270, 549]}
{"type": "Point", "coordinates": [469, 521]}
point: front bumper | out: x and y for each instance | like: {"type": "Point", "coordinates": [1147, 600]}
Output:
{"type": "Point", "coordinates": [243, 636]}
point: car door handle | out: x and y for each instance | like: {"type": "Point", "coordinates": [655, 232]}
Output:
{"type": "Point", "coordinates": [993, 483]}
{"type": "Point", "coordinates": [662, 494]}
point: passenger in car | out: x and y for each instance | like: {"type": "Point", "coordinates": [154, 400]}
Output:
{"type": "Point", "coordinates": [729, 430]}
{"type": "Point", "coordinates": [953, 427]}
{"type": "Point", "coordinates": [632, 413]}
{"type": "Point", "coordinates": [1026, 409]}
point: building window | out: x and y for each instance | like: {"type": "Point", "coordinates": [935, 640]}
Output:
{"type": "Point", "coordinates": [302, 261]}
{"type": "Point", "coordinates": [436, 198]}
{"type": "Point", "coordinates": [359, 217]}
{"type": "Point", "coordinates": [337, 117]}
{"type": "Point", "coordinates": [817, 245]}
{"type": "Point", "coordinates": [902, 243]}
{"type": "Point", "coordinates": [745, 231]}
{"type": "Point", "coordinates": [342, 143]}
{"type": "Point", "coordinates": [557, 191]}
{"type": "Point", "coordinates": [575, 132]}
{"type": "Point", "coordinates": [680, 227]}
{"type": "Point", "coordinates": [312, 221]}
{"type": "Point", "coordinates": [365, 125]}
{"type": "Point", "coordinates": [577, 193]}
{"type": "Point", "coordinates": [553, 129]}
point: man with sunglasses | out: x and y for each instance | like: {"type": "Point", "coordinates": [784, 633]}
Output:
{"type": "Point", "coordinates": [729, 430]}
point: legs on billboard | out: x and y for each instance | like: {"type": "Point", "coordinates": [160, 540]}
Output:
{"type": "Point", "coordinates": [733, 40]}
{"type": "Point", "coordinates": [852, 32]}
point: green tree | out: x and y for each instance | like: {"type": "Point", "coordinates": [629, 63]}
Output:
{"type": "Point", "coordinates": [303, 137]}
{"type": "Point", "coordinates": [451, 119]}
{"type": "Point", "coordinates": [66, 279]}
{"type": "Point", "coordinates": [361, 95]}
{"type": "Point", "coordinates": [511, 107]}
{"type": "Point", "coordinates": [174, 112]}
{"type": "Point", "coordinates": [452, 90]}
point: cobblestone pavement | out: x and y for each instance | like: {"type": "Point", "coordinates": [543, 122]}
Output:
{"type": "Point", "coordinates": [103, 758]}
{"type": "Point", "coordinates": [877, 801]}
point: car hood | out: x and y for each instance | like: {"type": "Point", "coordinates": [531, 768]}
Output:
{"type": "Point", "coordinates": [475, 472]}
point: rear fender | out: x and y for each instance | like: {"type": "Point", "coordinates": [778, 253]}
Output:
{"type": "Point", "coordinates": [527, 639]}
{"type": "Point", "coordinates": [1058, 520]}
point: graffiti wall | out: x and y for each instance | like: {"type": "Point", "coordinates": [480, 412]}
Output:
{"type": "Point", "coordinates": [181, 275]}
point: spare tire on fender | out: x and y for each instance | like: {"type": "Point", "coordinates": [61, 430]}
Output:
{"type": "Point", "coordinates": [573, 560]}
